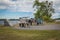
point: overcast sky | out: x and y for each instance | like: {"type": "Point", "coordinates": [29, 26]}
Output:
{"type": "Point", "coordinates": [23, 8]}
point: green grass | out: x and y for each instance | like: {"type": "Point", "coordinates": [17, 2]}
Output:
{"type": "Point", "coordinates": [7, 33]}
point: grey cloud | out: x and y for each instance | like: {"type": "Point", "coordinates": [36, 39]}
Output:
{"type": "Point", "coordinates": [57, 5]}
{"type": "Point", "coordinates": [13, 4]}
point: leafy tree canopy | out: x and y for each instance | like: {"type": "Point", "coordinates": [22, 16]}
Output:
{"type": "Point", "coordinates": [43, 10]}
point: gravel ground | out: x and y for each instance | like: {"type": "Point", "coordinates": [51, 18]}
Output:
{"type": "Point", "coordinates": [42, 27]}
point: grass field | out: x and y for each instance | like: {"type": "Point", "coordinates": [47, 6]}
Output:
{"type": "Point", "coordinates": [7, 33]}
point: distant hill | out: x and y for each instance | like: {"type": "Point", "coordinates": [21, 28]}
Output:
{"type": "Point", "coordinates": [57, 19]}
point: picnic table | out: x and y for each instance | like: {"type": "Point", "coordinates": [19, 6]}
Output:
{"type": "Point", "coordinates": [23, 23]}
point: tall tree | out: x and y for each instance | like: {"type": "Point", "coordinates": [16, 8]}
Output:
{"type": "Point", "coordinates": [44, 9]}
